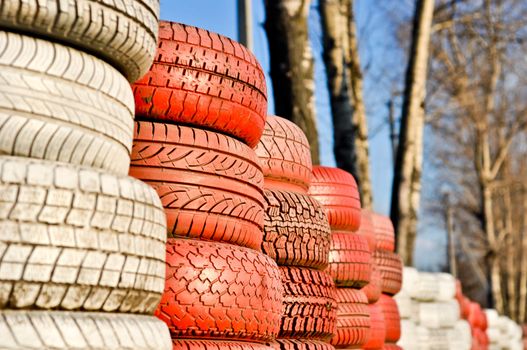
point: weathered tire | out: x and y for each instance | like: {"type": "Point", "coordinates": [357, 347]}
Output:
{"type": "Point", "coordinates": [204, 79]}
{"type": "Point", "coordinates": [373, 289]}
{"type": "Point", "coordinates": [43, 330]}
{"type": "Point", "coordinates": [367, 229]}
{"type": "Point", "coordinates": [350, 260]}
{"type": "Point", "coordinates": [337, 191]}
{"type": "Point", "coordinates": [301, 344]}
{"type": "Point", "coordinates": [296, 230]}
{"type": "Point", "coordinates": [310, 305]}
{"type": "Point", "coordinates": [78, 239]}
{"type": "Point", "coordinates": [285, 156]}
{"type": "Point", "coordinates": [57, 103]}
{"type": "Point", "coordinates": [217, 290]}
{"type": "Point", "coordinates": [210, 184]}
{"type": "Point", "coordinates": [390, 267]}
{"type": "Point", "coordinates": [353, 318]}
{"type": "Point", "coordinates": [377, 329]}
{"type": "Point", "coordinates": [383, 232]}
{"type": "Point", "coordinates": [392, 320]}
{"type": "Point", "coordinates": [205, 344]}
{"type": "Point", "coordinates": [122, 34]}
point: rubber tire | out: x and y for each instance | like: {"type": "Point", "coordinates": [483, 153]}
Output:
{"type": "Point", "coordinates": [384, 232]}
{"type": "Point", "coordinates": [124, 35]}
{"type": "Point", "coordinates": [350, 260]}
{"type": "Point", "coordinates": [21, 330]}
{"type": "Point", "coordinates": [337, 191]}
{"type": "Point", "coordinates": [392, 347]}
{"type": "Point", "coordinates": [57, 103]}
{"type": "Point", "coordinates": [220, 291]}
{"type": "Point", "coordinates": [426, 288]}
{"type": "Point", "coordinates": [211, 185]}
{"type": "Point", "coordinates": [434, 315]}
{"type": "Point", "coordinates": [367, 229]}
{"type": "Point", "coordinates": [310, 308]}
{"type": "Point", "coordinates": [392, 319]}
{"type": "Point", "coordinates": [296, 230]}
{"type": "Point", "coordinates": [390, 267]}
{"type": "Point", "coordinates": [285, 156]}
{"type": "Point", "coordinates": [353, 318]}
{"type": "Point", "coordinates": [204, 79]}
{"type": "Point", "coordinates": [205, 344]}
{"type": "Point", "coordinates": [373, 289]}
{"type": "Point", "coordinates": [378, 328]}
{"type": "Point", "coordinates": [301, 344]}
{"type": "Point", "coordinates": [78, 239]}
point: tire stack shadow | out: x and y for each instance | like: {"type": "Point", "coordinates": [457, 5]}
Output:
{"type": "Point", "coordinates": [81, 243]}
{"type": "Point", "coordinates": [200, 111]}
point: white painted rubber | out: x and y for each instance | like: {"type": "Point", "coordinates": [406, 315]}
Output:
{"type": "Point", "coordinates": [447, 287]}
{"type": "Point", "coordinates": [425, 288]}
{"type": "Point", "coordinates": [59, 330]}
{"type": "Point", "coordinates": [124, 33]}
{"type": "Point", "coordinates": [61, 104]}
{"type": "Point", "coordinates": [439, 314]}
{"type": "Point", "coordinates": [77, 238]}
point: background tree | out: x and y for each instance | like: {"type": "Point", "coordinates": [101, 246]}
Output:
{"type": "Point", "coordinates": [291, 61]}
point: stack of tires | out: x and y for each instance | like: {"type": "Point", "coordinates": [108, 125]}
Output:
{"type": "Point", "coordinates": [297, 237]}
{"type": "Point", "coordinates": [503, 333]}
{"type": "Point", "coordinates": [200, 111]}
{"type": "Point", "coordinates": [77, 235]}
{"type": "Point", "coordinates": [432, 313]}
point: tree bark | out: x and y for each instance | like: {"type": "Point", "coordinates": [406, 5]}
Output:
{"type": "Point", "coordinates": [292, 65]}
{"type": "Point", "coordinates": [408, 165]}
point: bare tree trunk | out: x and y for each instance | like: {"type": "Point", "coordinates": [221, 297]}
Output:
{"type": "Point", "coordinates": [292, 65]}
{"type": "Point", "coordinates": [407, 172]}
{"type": "Point", "coordinates": [522, 303]}
{"type": "Point", "coordinates": [359, 121]}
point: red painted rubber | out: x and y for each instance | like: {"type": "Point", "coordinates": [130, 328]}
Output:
{"type": "Point", "coordinates": [337, 191]}
{"type": "Point", "coordinates": [353, 318]}
{"type": "Point", "coordinates": [392, 319]}
{"type": "Point", "coordinates": [309, 301]}
{"type": "Point", "coordinates": [205, 344]}
{"type": "Point", "coordinates": [391, 347]}
{"type": "Point", "coordinates": [210, 184]}
{"type": "Point", "coordinates": [367, 229]}
{"type": "Point", "coordinates": [384, 232]}
{"type": "Point", "coordinates": [373, 289]}
{"type": "Point", "coordinates": [285, 156]}
{"type": "Point", "coordinates": [390, 267]}
{"type": "Point", "coordinates": [204, 79]}
{"type": "Point", "coordinates": [350, 260]}
{"type": "Point", "coordinates": [301, 344]}
{"type": "Point", "coordinates": [296, 230]}
{"type": "Point", "coordinates": [378, 330]}
{"type": "Point", "coordinates": [218, 290]}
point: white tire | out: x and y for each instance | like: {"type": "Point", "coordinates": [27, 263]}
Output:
{"type": "Point", "coordinates": [432, 339]}
{"type": "Point", "coordinates": [460, 337]}
{"type": "Point", "coordinates": [408, 339]}
{"type": "Point", "coordinates": [58, 330]}
{"type": "Point", "coordinates": [492, 317]}
{"type": "Point", "coordinates": [447, 287]}
{"type": "Point", "coordinates": [410, 277]}
{"type": "Point", "coordinates": [494, 335]}
{"type": "Point", "coordinates": [122, 32]}
{"type": "Point", "coordinates": [61, 104]}
{"type": "Point", "coordinates": [75, 238]}
{"type": "Point", "coordinates": [439, 314]}
{"type": "Point", "coordinates": [426, 287]}
{"type": "Point", "coordinates": [404, 303]}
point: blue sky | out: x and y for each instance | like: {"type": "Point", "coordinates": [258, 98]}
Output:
{"type": "Point", "coordinates": [382, 62]}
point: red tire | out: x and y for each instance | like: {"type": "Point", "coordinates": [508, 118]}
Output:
{"type": "Point", "coordinates": [301, 344]}
{"type": "Point", "coordinates": [204, 79]}
{"type": "Point", "coordinates": [337, 191]}
{"type": "Point", "coordinates": [210, 184]}
{"type": "Point", "coordinates": [373, 289]}
{"type": "Point", "coordinates": [390, 268]}
{"type": "Point", "coordinates": [296, 230]}
{"type": "Point", "coordinates": [310, 305]}
{"type": "Point", "coordinates": [383, 232]}
{"type": "Point", "coordinates": [204, 344]}
{"type": "Point", "coordinates": [367, 229]}
{"type": "Point", "coordinates": [350, 260]}
{"type": "Point", "coordinates": [217, 290]}
{"type": "Point", "coordinates": [285, 156]}
{"type": "Point", "coordinates": [353, 318]}
{"type": "Point", "coordinates": [391, 347]}
{"type": "Point", "coordinates": [392, 319]}
{"type": "Point", "coordinates": [378, 329]}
